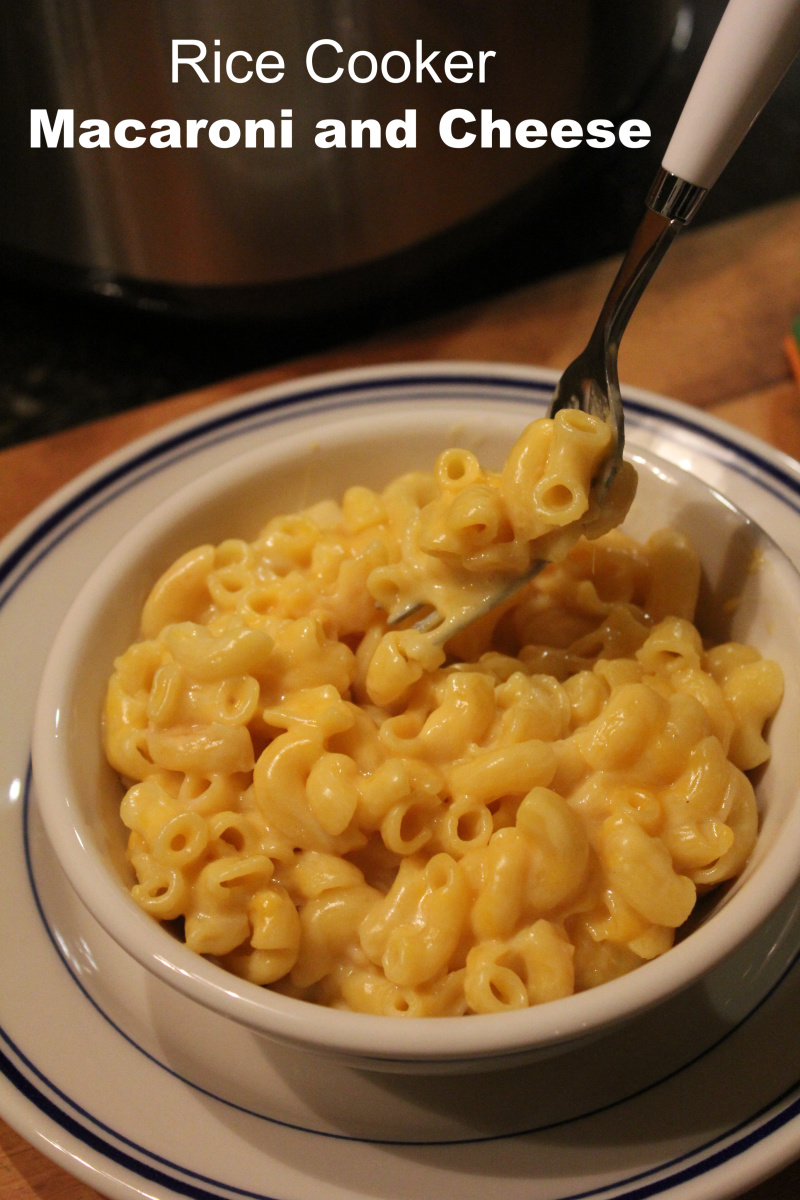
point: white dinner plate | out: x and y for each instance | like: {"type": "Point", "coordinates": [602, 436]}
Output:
{"type": "Point", "coordinates": [139, 1092]}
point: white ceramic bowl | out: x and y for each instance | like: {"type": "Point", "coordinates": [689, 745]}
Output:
{"type": "Point", "coordinates": [79, 795]}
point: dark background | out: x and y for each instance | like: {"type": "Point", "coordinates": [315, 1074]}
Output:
{"type": "Point", "coordinates": [66, 358]}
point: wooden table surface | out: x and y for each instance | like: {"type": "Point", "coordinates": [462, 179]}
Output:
{"type": "Point", "coordinates": [709, 331]}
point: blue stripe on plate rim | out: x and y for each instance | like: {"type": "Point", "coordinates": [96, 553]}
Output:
{"type": "Point", "coordinates": [72, 1124]}
{"type": "Point", "coordinates": [226, 423]}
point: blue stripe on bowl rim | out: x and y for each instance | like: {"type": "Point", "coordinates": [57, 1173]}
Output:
{"type": "Point", "coordinates": [227, 422]}
{"type": "Point", "coordinates": [264, 411]}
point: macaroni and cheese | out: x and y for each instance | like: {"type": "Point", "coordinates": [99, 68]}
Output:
{"type": "Point", "coordinates": [389, 821]}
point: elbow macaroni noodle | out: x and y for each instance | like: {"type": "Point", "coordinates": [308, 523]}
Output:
{"type": "Point", "coordinates": [356, 817]}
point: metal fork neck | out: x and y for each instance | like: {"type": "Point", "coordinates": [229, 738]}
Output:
{"type": "Point", "coordinates": [671, 204]}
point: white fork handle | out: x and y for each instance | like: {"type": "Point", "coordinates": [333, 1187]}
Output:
{"type": "Point", "coordinates": [754, 44]}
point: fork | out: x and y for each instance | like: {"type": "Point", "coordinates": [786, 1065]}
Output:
{"type": "Point", "coordinates": [754, 44]}
{"type": "Point", "coordinates": [752, 48]}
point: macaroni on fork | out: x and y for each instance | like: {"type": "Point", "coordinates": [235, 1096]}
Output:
{"type": "Point", "coordinates": [366, 818]}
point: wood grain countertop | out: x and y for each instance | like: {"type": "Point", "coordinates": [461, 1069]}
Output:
{"type": "Point", "coordinates": [709, 331]}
